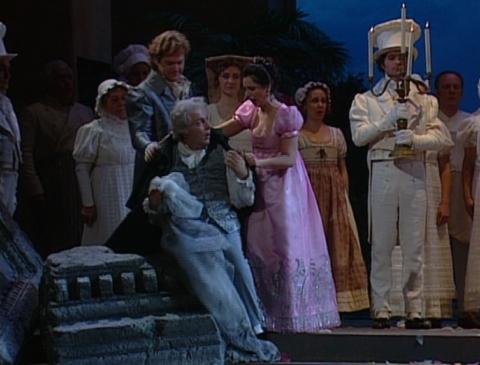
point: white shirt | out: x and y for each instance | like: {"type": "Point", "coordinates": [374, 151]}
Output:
{"type": "Point", "coordinates": [455, 125]}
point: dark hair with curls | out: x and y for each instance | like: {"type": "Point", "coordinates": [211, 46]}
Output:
{"type": "Point", "coordinates": [262, 72]}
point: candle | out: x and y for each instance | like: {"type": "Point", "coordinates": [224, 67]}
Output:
{"type": "Point", "coordinates": [410, 52]}
{"type": "Point", "coordinates": [403, 13]}
{"type": "Point", "coordinates": [428, 50]}
{"type": "Point", "coordinates": [370, 54]}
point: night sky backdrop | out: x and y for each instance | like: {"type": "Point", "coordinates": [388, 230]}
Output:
{"type": "Point", "coordinates": [455, 29]}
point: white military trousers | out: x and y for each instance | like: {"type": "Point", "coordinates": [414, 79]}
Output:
{"type": "Point", "coordinates": [398, 208]}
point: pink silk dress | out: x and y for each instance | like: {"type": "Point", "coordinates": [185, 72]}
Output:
{"type": "Point", "coordinates": [286, 243]}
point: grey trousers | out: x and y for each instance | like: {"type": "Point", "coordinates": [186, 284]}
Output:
{"type": "Point", "coordinates": [223, 282]}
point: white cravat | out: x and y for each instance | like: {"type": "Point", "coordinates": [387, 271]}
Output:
{"type": "Point", "coordinates": [190, 157]}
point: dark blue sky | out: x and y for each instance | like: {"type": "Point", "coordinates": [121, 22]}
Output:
{"type": "Point", "coordinates": [455, 33]}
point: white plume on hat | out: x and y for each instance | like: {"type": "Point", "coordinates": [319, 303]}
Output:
{"type": "Point", "coordinates": [130, 56]}
{"type": "Point", "coordinates": [387, 36]}
{"type": "Point", "coordinates": [3, 51]}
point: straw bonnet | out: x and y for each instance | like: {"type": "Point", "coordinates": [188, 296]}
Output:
{"type": "Point", "coordinates": [215, 65]}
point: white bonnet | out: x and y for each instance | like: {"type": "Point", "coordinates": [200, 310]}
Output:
{"type": "Point", "coordinates": [103, 89]}
{"type": "Point", "coordinates": [3, 50]}
{"type": "Point", "coordinates": [130, 56]}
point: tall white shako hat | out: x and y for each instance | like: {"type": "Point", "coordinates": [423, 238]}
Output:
{"type": "Point", "coordinates": [3, 51]}
{"type": "Point", "coordinates": [387, 36]}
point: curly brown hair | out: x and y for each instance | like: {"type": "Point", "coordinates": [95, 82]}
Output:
{"type": "Point", "coordinates": [167, 43]}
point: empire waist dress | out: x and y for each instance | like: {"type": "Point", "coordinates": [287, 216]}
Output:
{"type": "Point", "coordinates": [286, 243]}
{"type": "Point", "coordinates": [349, 271]}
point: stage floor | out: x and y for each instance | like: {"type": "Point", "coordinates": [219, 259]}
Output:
{"type": "Point", "coordinates": [364, 345]}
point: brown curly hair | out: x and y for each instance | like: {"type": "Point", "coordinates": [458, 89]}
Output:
{"type": "Point", "coordinates": [167, 43]}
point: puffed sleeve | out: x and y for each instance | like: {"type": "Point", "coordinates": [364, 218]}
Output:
{"type": "Point", "coordinates": [341, 144]}
{"type": "Point", "coordinates": [245, 114]}
{"type": "Point", "coordinates": [85, 153]}
{"type": "Point", "coordinates": [468, 136]}
{"type": "Point", "coordinates": [289, 121]}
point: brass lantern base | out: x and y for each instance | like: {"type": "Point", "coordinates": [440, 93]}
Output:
{"type": "Point", "coordinates": [403, 151]}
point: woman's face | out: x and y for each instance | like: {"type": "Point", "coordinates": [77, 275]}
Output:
{"type": "Point", "coordinates": [137, 73]}
{"type": "Point", "coordinates": [229, 81]}
{"type": "Point", "coordinates": [116, 102]}
{"type": "Point", "coordinates": [316, 104]}
{"type": "Point", "coordinates": [257, 93]}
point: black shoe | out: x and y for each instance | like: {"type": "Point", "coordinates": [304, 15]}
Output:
{"type": "Point", "coordinates": [381, 323]}
{"type": "Point", "coordinates": [435, 322]}
{"type": "Point", "coordinates": [469, 320]}
{"type": "Point", "coordinates": [417, 324]}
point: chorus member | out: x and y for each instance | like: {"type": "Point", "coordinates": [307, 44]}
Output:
{"type": "Point", "coordinates": [104, 164]}
{"type": "Point", "coordinates": [49, 128]}
{"type": "Point", "coordinates": [132, 64]}
{"type": "Point", "coordinates": [225, 94]}
{"type": "Point", "coordinates": [324, 149]}
{"type": "Point", "coordinates": [10, 155]}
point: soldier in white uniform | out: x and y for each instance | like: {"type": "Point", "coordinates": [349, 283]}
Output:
{"type": "Point", "coordinates": [449, 91]}
{"type": "Point", "coordinates": [10, 156]}
{"type": "Point", "coordinates": [397, 186]}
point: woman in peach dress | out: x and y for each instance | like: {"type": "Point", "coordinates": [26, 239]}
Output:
{"type": "Point", "coordinates": [324, 149]}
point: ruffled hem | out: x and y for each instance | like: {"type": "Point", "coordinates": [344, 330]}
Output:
{"type": "Point", "coordinates": [305, 324]}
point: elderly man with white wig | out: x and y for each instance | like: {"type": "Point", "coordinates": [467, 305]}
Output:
{"type": "Point", "coordinates": [104, 160]}
{"type": "Point", "coordinates": [194, 205]}
{"type": "Point", "coordinates": [397, 193]}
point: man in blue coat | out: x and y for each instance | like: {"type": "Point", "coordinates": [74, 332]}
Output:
{"type": "Point", "coordinates": [149, 105]}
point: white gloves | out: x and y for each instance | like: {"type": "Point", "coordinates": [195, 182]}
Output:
{"type": "Point", "coordinates": [389, 122]}
{"type": "Point", "coordinates": [404, 137]}
{"type": "Point", "coordinates": [151, 150]}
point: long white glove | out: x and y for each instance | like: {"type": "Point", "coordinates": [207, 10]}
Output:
{"type": "Point", "coordinates": [389, 122]}
{"type": "Point", "coordinates": [404, 137]}
{"type": "Point", "coordinates": [151, 150]}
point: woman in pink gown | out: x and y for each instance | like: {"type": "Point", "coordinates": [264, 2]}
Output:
{"type": "Point", "coordinates": [286, 243]}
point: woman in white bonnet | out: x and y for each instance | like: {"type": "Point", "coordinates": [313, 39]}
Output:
{"type": "Point", "coordinates": [132, 64]}
{"type": "Point", "coordinates": [104, 159]}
